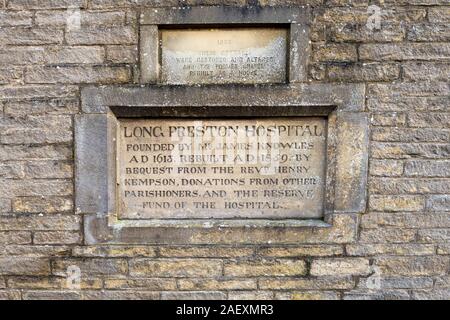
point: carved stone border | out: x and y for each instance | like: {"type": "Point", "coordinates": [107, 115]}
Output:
{"type": "Point", "coordinates": [297, 19]}
{"type": "Point", "coordinates": [347, 160]}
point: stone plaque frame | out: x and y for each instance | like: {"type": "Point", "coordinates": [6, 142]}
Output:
{"type": "Point", "coordinates": [346, 170]}
{"type": "Point", "coordinates": [296, 20]}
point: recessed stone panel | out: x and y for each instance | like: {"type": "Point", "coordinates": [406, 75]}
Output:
{"type": "Point", "coordinates": [224, 55]}
{"type": "Point", "coordinates": [260, 168]}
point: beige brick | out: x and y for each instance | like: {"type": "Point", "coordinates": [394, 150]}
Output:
{"type": "Point", "coordinates": [300, 251]}
{"type": "Point", "coordinates": [56, 237]}
{"type": "Point", "coordinates": [413, 266]}
{"type": "Point", "coordinates": [42, 205]}
{"type": "Point", "coordinates": [340, 267]}
{"type": "Point", "coordinates": [217, 284]}
{"type": "Point", "coordinates": [396, 203]}
{"type": "Point", "coordinates": [91, 266]}
{"type": "Point", "coordinates": [205, 252]}
{"type": "Point", "coordinates": [24, 266]}
{"type": "Point", "coordinates": [390, 249]}
{"type": "Point", "coordinates": [265, 268]}
{"type": "Point", "coordinates": [114, 251]}
{"type": "Point", "coordinates": [15, 237]}
{"type": "Point", "coordinates": [153, 284]}
{"type": "Point", "coordinates": [175, 268]}
{"type": "Point", "coordinates": [320, 283]}
{"type": "Point", "coordinates": [386, 168]}
{"type": "Point", "coordinates": [250, 295]}
{"type": "Point", "coordinates": [308, 295]}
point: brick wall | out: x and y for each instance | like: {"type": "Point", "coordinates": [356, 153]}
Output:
{"type": "Point", "coordinates": [404, 235]}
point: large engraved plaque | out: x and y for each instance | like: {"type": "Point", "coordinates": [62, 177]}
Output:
{"type": "Point", "coordinates": [224, 55]}
{"type": "Point", "coordinates": [261, 168]}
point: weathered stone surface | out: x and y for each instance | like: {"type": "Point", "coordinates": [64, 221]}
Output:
{"type": "Point", "coordinates": [340, 267]}
{"type": "Point", "coordinates": [400, 283]}
{"type": "Point", "coordinates": [405, 220]}
{"type": "Point", "coordinates": [175, 268]}
{"type": "Point", "coordinates": [152, 284]}
{"type": "Point", "coordinates": [390, 249]}
{"type": "Point", "coordinates": [434, 120]}
{"type": "Point", "coordinates": [423, 168]}
{"type": "Point", "coordinates": [54, 222]}
{"type": "Point", "coordinates": [61, 18]}
{"type": "Point", "coordinates": [363, 72]}
{"type": "Point", "coordinates": [217, 284]}
{"type": "Point", "coordinates": [308, 295]}
{"type": "Point", "coordinates": [317, 251]}
{"type": "Point", "coordinates": [436, 294]}
{"type": "Point", "coordinates": [388, 235]}
{"type": "Point", "coordinates": [388, 119]}
{"type": "Point", "coordinates": [404, 51]}
{"type": "Point", "coordinates": [413, 266]}
{"type": "Point", "coordinates": [396, 203]}
{"type": "Point", "coordinates": [386, 168]}
{"type": "Point", "coordinates": [426, 32]}
{"type": "Point", "coordinates": [434, 235]}
{"type": "Point", "coordinates": [426, 71]}
{"type": "Point", "coordinates": [30, 36]}
{"type": "Point", "coordinates": [56, 237]}
{"type": "Point", "coordinates": [74, 54]}
{"type": "Point", "coordinates": [101, 35]}
{"type": "Point", "coordinates": [15, 237]}
{"type": "Point", "coordinates": [250, 295]}
{"type": "Point", "coordinates": [321, 283]}
{"type": "Point", "coordinates": [101, 75]}
{"type": "Point", "coordinates": [377, 295]}
{"type": "Point", "coordinates": [91, 266]}
{"type": "Point", "coordinates": [439, 203]}
{"type": "Point", "coordinates": [334, 53]}
{"type": "Point", "coordinates": [115, 251]}
{"type": "Point", "coordinates": [5, 205]}
{"type": "Point", "coordinates": [38, 108]}
{"type": "Point", "coordinates": [411, 135]}
{"type": "Point", "coordinates": [21, 18]}
{"type": "Point", "coordinates": [205, 252]}
{"type": "Point", "coordinates": [194, 295]}
{"type": "Point", "coordinates": [265, 268]}
{"type": "Point", "coordinates": [45, 4]}
{"type": "Point", "coordinates": [24, 266]}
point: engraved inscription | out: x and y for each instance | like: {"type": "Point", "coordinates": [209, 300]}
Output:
{"type": "Point", "coordinates": [226, 55]}
{"type": "Point", "coordinates": [241, 168]}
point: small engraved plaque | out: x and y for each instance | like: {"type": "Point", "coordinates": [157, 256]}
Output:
{"type": "Point", "coordinates": [262, 168]}
{"type": "Point", "coordinates": [224, 55]}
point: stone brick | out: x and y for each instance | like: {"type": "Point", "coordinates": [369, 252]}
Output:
{"type": "Point", "coordinates": [396, 203]}
{"type": "Point", "coordinates": [410, 135]}
{"type": "Point", "coordinates": [409, 186]}
{"type": "Point", "coordinates": [99, 36]}
{"type": "Point", "coordinates": [23, 188]}
{"type": "Point", "coordinates": [100, 75]}
{"type": "Point", "coordinates": [21, 55]}
{"type": "Point", "coordinates": [48, 170]}
{"type": "Point", "coordinates": [45, 4]}
{"type": "Point", "coordinates": [388, 235]}
{"type": "Point", "coordinates": [363, 72]}
{"type": "Point", "coordinates": [27, 152]}
{"type": "Point", "coordinates": [217, 284]}
{"type": "Point", "coordinates": [60, 18]}
{"type": "Point", "coordinates": [74, 55]}
{"type": "Point", "coordinates": [438, 203]}
{"type": "Point", "coordinates": [56, 237]}
{"type": "Point", "coordinates": [5, 205]}
{"type": "Point", "coordinates": [443, 249]}
{"type": "Point", "coordinates": [427, 32]}
{"type": "Point", "coordinates": [38, 108]}
{"type": "Point", "coordinates": [320, 283]}
{"type": "Point", "coordinates": [434, 235]}
{"type": "Point", "coordinates": [400, 283]}
{"type": "Point", "coordinates": [91, 266]}
{"type": "Point", "coordinates": [42, 205]}
{"type": "Point", "coordinates": [390, 249]}
{"type": "Point", "coordinates": [353, 32]}
{"type": "Point", "coordinates": [153, 284]}
{"type": "Point", "coordinates": [24, 266]}
{"type": "Point", "coordinates": [250, 295]}
{"type": "Point", "coordinates": [340, 267]}
{"type": "Point", "coordinates": [377, 295]}
{"type": "Point", "coordinates": [45, 251]}
{"type": "Point", "coordinates": [120, 295]}
{"type": "Point", "coordinates": [11, 75]}
{"type": "Point", "coordinates": [194, 295]}
{"type": "Point", "coordinates": [121, 54]}
{"type": "Point", "coordinates": [435, 294]}
{"type": "Point", "coordinates": [38, 92]}
{"type": "Point", "coordinates": [205, 252]}
{"type": "Point", "coordinates": [405, 220]}
{"type": "Point", "coordinates": [404, 51]}
{"type": "Point", "coordinates": [265, 268]}
{"type": "Point", "coordinates": [334, 53]}
{"type": "Point", "coordinates": [15, 237]}
{"type": "Point", "coordinates": [36, 129]}
{"type": "Point", "coordinates": [307, 295]}
{"type": "Point", "coordinates": [35, 223]}
{"type": "Point", "coordinates": [386, 168]}
{"type": "Point", "coordinates": [422, 168]}
{"type": "Point", "coordinates": [115, 251]}
{"type": "Point", "coordinates": [442, 282]}
{"type": "Point", "coordinates": [421, 89]}
{"type": "Point", "coordinates": [51, 295]}
{"type": "Point", "coordinates": [430, 120]}
{"type": "Point", "coordinates": [388, 119]}
{"type": "Point", "coordinates": [10, 295]}
{"type": "Point", "coordinates": [21, 18]}
{"type": "Point", "coordinates": [426, 71]}
{"type": "Point", "coordinates": [49, 283]}
{"type": "Point", "coordinates": [300, 251]}
{"type": "Point", "coordinates": [407, 104]}
{"type": "Point", "coordinates": [175, 267]}
{"type": "Point", "coordinates": [439, 14]}
{"type": "Point", "coordinates": [30, 36]}
{"type": "Point", "coordinates": [12, 171]}
{"type": "Point", "coordinates": [413, 266]}
{"type": "Point", "coordinates": [382, 150]}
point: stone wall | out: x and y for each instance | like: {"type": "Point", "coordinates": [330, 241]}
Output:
{"type": "Point", "coordinates": [402, 247]}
